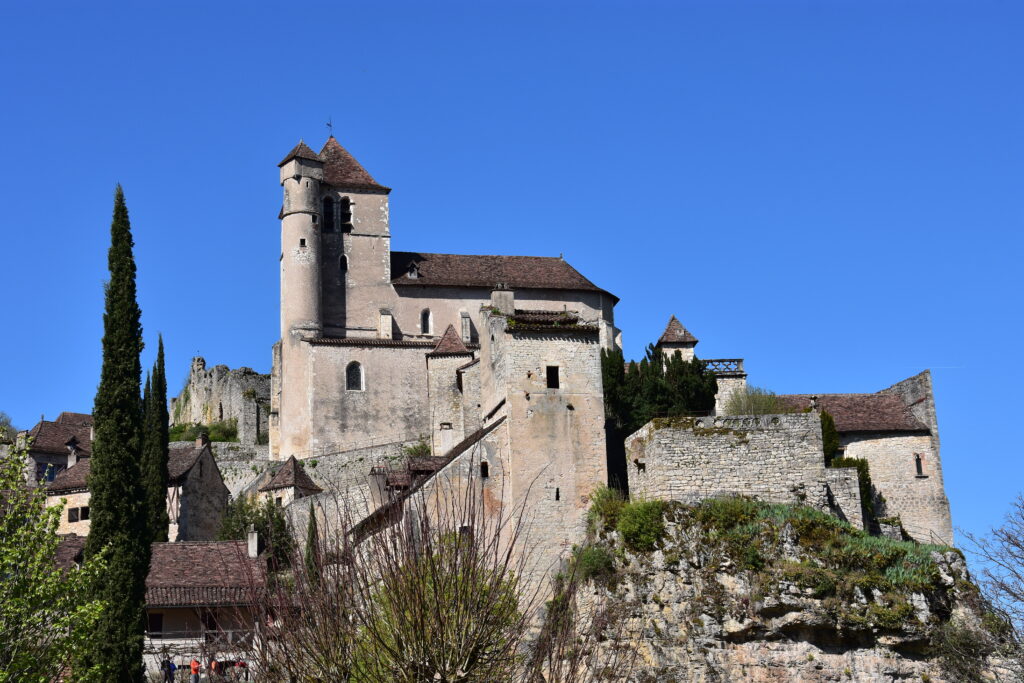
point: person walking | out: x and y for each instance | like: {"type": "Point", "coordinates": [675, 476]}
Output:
{"type": "Point", "coordinates": [194, 667]}
{"type": "Point", "coordinates": [167, 669]}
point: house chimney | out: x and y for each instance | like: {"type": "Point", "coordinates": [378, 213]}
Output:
{"type": "Point", "coordinates": [503, 299]}
{"type": "Point", "coordinates": [202, 440]}
{"type": "Point", "coordinates": [814, 403]}
{"type": "Point", "coordinates": [384, 326]}
{"type": "Point", "coordinates": [254, 542]}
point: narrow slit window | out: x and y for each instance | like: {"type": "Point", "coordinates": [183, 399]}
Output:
{"type": "Point", "coordinates": [343, 264]}
{"type": "Point", "coordinates": [425, 321]}
{"type": "Point", "coordinates": [558, 494]}
{"type": "Point", "coordinates": [552, 377]}
{"type": "Point", "coordinates": [485, 470]}
{"type": "Point", "coordinates": [354, 377]}
{"type": "Point", "coordinates": [919, 464]}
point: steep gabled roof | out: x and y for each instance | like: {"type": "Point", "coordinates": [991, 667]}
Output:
{"type": "Point", "coordinates": [56, 437]}
{"type": "Point", "coordinates": [292, 473]}
{"type": "Point", "coordinates": [300, 151]}
{"type": "Point", "coordinates": [68, 418]}
{"type": "Point", "coordinates": [69, 551]}
{"type": "Point", "coordinates": [675, 333]}
{"type": "Point", "coordinates": [861, 412]}
{"type": "Point", "coordinates": [181, 459]}
{"type": "Point", "coordinates": [343, 171]}
{"type": "Point", "coordinates": [483, 271]}
{"type": "Point", "coordinates": [450, 344]}
{"type": "Point", "coordinates": [201, 573]}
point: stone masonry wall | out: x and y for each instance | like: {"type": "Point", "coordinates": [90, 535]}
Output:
{"type": "Point", "coordinates": [220, 394]}
{"type": "Point", "coordinates": [204, 499]}
{"type": "Point", "coordinates": [919, 500]}
{"type": "Point", "coordinates": [776, 458]}
{"type": "Point", "coordinates": [844, 485]}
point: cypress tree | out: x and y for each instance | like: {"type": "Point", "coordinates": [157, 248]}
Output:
{"type": "Point", "coordinates": [155, 448]}
{"type": "Point", "coordinates": [312, 555]}
{"type": "Point", "coordinates": [117, 506]}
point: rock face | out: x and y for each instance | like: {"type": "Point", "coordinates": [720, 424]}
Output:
{"type": "Point", "coordinates": [714, 605]}
{"type": "Point", "coordinates": [221, 395]}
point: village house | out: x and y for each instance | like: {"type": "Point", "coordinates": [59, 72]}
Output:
{"type": "Point", "coordinates": [54, 446]}
{"type": "Point", "coordinates": [289, 484]}
{"type": "Point", "coordinates": [196, 495]}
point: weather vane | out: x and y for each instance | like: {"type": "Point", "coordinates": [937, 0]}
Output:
{"type": "Point", "coordinates": [330, 125]}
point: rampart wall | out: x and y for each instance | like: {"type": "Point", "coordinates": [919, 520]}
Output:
{"type": "Point", "coordinates": [219, 394]}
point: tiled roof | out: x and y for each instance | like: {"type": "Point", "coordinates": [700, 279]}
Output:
{"type": "Point", "coordinates": [194, 573]}
{"type": "Point", "coordinates": [67, 418]}
{"type": "Point", "coordinates": [54, 437]}
{"type": "Point", "coordinates": [450, 344]}
{"type": "Point", "coordinates": [464, 270]}
{"type": "Point", "coordinates": [675, 333]}
{"type": "Point", "coordinates": [862, 412]}
{"type": "Point", "coordinates": [300, 151]}
{"type": "Point", "coordinates": [71, 479]}
{"type": "Point", "coordinates": [292, 473]}
{"type": "Point", "coordinates": [542, 321]}
{"type": "Point", "coordinates": [426, 463]}
{"type": "Point", "coordinates": [69, 551]}
{"type": "Point", "coordinates": [342, 170]}
{"type": "Point", "coordinates": [180, 460]}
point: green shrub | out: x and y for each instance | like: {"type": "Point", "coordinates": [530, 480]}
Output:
{"type": "Point", "coordinates": [829, 437]}
{"type": "Point", "coordinates": [419, 449]}
{"type": "Point", "coordinates": [641, 524]}
{"type": "Point", "coordinates": [755, 401]}
{"type": "Point", "coordinates": [226, 430]}
{"type": "Point", "coordinates": [605, 505]}
{"type": "Point", "coordinates": [593, 562]}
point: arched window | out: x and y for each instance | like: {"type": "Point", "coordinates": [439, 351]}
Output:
{"type": "Point", "coordinates": [425, 321]}
{"type": "Point", "coordinates": [328, 213]}
{"type": "Point", "coordinates": [343, 264]}
{"type": "Point", "coordinates": [345, 214]}
{"type": "Point", "coordinates": [354, 377]}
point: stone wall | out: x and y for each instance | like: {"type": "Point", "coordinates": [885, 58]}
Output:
{"type": "Point", "coordinates": [447, 417]}
{"type": "Point", "coordinates": [220, 394]}
{"type": "Point", "coordinates": [728, 384]}
{"type": "Point", "coordinates": [844, 486]}
{"type": "Point", "coordinates": [918, 500]}
{"type": "Point", "coordinates": [77, 499]}
{"type": "Point", "coordinates": [776, 458]}
{"type": "Point", "coordinates": [204, 500]}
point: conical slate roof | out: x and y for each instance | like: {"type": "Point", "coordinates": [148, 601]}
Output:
{"type": "Point", "coordinates": [300, 151]}
{"type": "Point", "coordinates": [291, 474]}
{"type": "Point", "coordinates": [342, 170]}
{"type": "Point", "coordinates": [450, 343]}
{"type": "Point", "coordinates": [675, 333]}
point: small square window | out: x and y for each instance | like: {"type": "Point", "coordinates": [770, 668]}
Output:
{"type": "Point", "coordinates": [302, 242]}
{"type": "Point", "coordinates": [84, 513]}
{"type": "Point", "coordinates": [446, 425]}
{"type": "Point", "coordinates": [278, 501]}
{"type": "Point", "coordinates": [72, 514]}
{"type": "Point", "coordinates": [552, 377]}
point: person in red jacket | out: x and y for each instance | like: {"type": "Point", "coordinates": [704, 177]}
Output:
{"type": "Point", "coordinates": [195, 667]}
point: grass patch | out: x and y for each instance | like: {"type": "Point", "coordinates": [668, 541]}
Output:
{"type": "Point", "coordinates": [217, 431]}
{"type": "Point", "coordinates": [594, 563]}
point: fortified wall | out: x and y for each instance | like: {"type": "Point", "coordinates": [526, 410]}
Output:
{"type": "Point", "coordinates": [774, 458]}
{"type": "Point", "coordinates": [221, 394]}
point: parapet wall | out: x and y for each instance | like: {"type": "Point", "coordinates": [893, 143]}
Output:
{"type": "Point", "coordinates": [775, 458]}
{"type": "Point", "coordinates": [221, 394]}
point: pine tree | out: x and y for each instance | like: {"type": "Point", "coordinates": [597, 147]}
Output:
{"type": "Point", "coordinates": [155, 448]}
{"type": "Point", "coordinates": [117, 506]}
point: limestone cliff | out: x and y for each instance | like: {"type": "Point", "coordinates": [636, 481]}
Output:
{"type": "Point", "coordinates": [222, 395]}
{"type": "Point", "coordinates": [737, 590]}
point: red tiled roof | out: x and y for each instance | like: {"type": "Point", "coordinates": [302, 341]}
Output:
{"type": "Point", "coordinates": [54, 437]}
{"type": "Point", "coordinates": [342, 170]}
{"type": "Point", "coordinates": [861, 412]}
{"type": "Point", "coordinates": [675, 333]}
{"type": "Point", "coordinates": [197, 573]}
{"type": "Point", "coordinates": [72, 479]}
{"type": "Point", "coordinates": [300, 151]}
{"type": "Point", "coordinates": [450, 344]}
{"type": "Point", "coordinates": [292, 473]}
{"type": "Point", "coordinates": [464, 270]}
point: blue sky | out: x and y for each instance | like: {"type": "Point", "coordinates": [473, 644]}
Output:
{"type": "Point", "coordinates": [829, 189]}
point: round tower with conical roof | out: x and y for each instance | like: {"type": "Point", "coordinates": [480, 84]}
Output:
{"type": "Point", "coordinates": [301, 175]}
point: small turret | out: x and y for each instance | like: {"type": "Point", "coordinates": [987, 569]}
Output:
{"type": "Point", "coordinates": [301, 175]}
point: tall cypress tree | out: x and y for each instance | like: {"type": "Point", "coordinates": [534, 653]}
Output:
{"type": "Point", "coordinates": [155, 448]}
{"type": "Point", "coordinates": [117, 505]}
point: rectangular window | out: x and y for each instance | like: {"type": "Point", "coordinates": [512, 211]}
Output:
{"type": "Point", "coordinates": [278, 501]}
{"type": "Point", "coordinates": [552, 377]}
{"type": "Point", "coordinates": [72, 514]}
{"type": "Point", "coordinates": [155, 623]}
{"type": "Point", "coordinates": [84, 513]}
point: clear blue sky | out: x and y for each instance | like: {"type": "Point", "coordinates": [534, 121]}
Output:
{"type": "Point", "coordinates": [829, 189]}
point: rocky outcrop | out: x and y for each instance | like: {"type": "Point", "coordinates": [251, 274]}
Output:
{"type": "Point", "coordinates": [791, 596]}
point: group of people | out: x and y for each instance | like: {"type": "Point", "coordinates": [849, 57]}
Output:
{"type": "Point", "coordinates": [216, 670]}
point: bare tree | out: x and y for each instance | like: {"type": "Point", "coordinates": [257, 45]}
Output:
{"type": "Point", "coordinates": [431, 587]}
{"type": "Point", "coordinates": [1002, 562]}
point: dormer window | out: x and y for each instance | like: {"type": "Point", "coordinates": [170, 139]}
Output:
{"type": "Point", "coordinates": [414, 271]}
